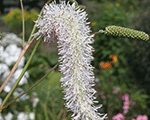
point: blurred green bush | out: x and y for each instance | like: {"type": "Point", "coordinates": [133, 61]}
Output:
{"type": "Point", "coordinates": [14, 20]}
{"type": "Point", "coordinates": [140, 57]}
{"type": "Point", "coordinates": [109, 14]}
{"type": "Point", "coordinates": [51, 104]}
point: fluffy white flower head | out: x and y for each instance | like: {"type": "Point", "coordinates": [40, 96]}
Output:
{"type": "Point", "coordinates": [69, 25]}
{"type": "Point", "coordinates": [11, 38]}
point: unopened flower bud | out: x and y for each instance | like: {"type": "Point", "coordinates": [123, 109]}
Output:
{"type": "Point", "coordinates": [126, 32]}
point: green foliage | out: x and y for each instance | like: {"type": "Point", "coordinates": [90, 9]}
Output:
{"type": "Point", "coordinates": [14, 20]}
{"type": "Point", "coordinates": [139, 61]}
{"type": "Point", "coordinates": [129, 5]}
{"type": "Point", "coordinates": [140, 57]}
{"type": "Point", "coordinates": [108, 14]}
{"type": "Point", "coordinates": [44, 59]}
{"type": "Point", "coordinates": [51, 104]}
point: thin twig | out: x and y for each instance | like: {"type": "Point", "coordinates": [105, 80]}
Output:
{"type": "Point", "coordinates": [51, 115]}
{"type": "Point", "coordinates": [23, 23]}
{"type": "Point", "coordinates": [60, 114]}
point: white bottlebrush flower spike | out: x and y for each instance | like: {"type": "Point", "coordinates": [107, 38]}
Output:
{"type": "Point", "coordinates": [69, 25]}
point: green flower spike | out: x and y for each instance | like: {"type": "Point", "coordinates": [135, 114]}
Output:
{"type": "Point", "coordinates": [125, 32]}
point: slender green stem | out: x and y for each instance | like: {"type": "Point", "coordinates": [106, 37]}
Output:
{"type": "Point", "coordinates": [30, 87]}
{"type": "Point", "coordinates": [50, 114]}
{"type": "Point", "coordinates": [34, 111]}
{"type": "Point", "coordinates": [99, 32]}
{"type": "Point", "coordinates": [60, 114]}
{"type": "Point", "coordinates": [21, 75]}
{"type": "Point", "coordinates": [23, 23]}
{"type": "Point", "coordinates": [45, 111]}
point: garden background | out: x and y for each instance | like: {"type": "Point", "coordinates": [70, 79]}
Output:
{"type": "Point", "coordinates": [122, 66]}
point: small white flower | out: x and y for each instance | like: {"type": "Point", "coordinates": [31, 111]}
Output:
{"type": "Point", "coordinates": [31, 116]}
{"type": "Point", "coordinates": [11, 54]}
{"type": "Point", "coordinates": [69, 25]}
{"type": "Point", "coordinates": [4, 73]}
{"type": "Point", "coordinates": [9, 116]}
{"type": "Point", "coordinates": [1, 118]}
{"type": "Point", "coordinates": [22, 116]}
{"type": "Point", "coordinates": [23, 79]}
{"type": "Point", "coordinates": [7, 88]}
{"type": "Point", "coordinates": [35, 101]}
{"type": "Point", "coordinates": [1, 51]}
{"type": "Point", "coordinates": [11, 38]}
{"type": "Point", "coordinates": [3, 68]}
{"type": "Point", "coordinates": [17, 92]}
{"type": "Point", "coordinates": [1, 101]}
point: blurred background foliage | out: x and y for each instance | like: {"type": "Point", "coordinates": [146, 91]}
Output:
{"type": "Point", "coordinates": [14, 20]}
{"type": "Point", "coordinates": [130, 72]}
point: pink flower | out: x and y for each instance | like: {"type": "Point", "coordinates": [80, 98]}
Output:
{"type": "Point", "coordinates": [119, 116]}
{"type": "Point", "coordinates": [125, 97]}
{"type": "Point", "coordinates": [142, 117]}
{"type": "Point", "coordinates": [127, 103]}
{"type": "Point", "coordinates": [145, 117]}
{"type": "Point", "coordinates": [125, 107]}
